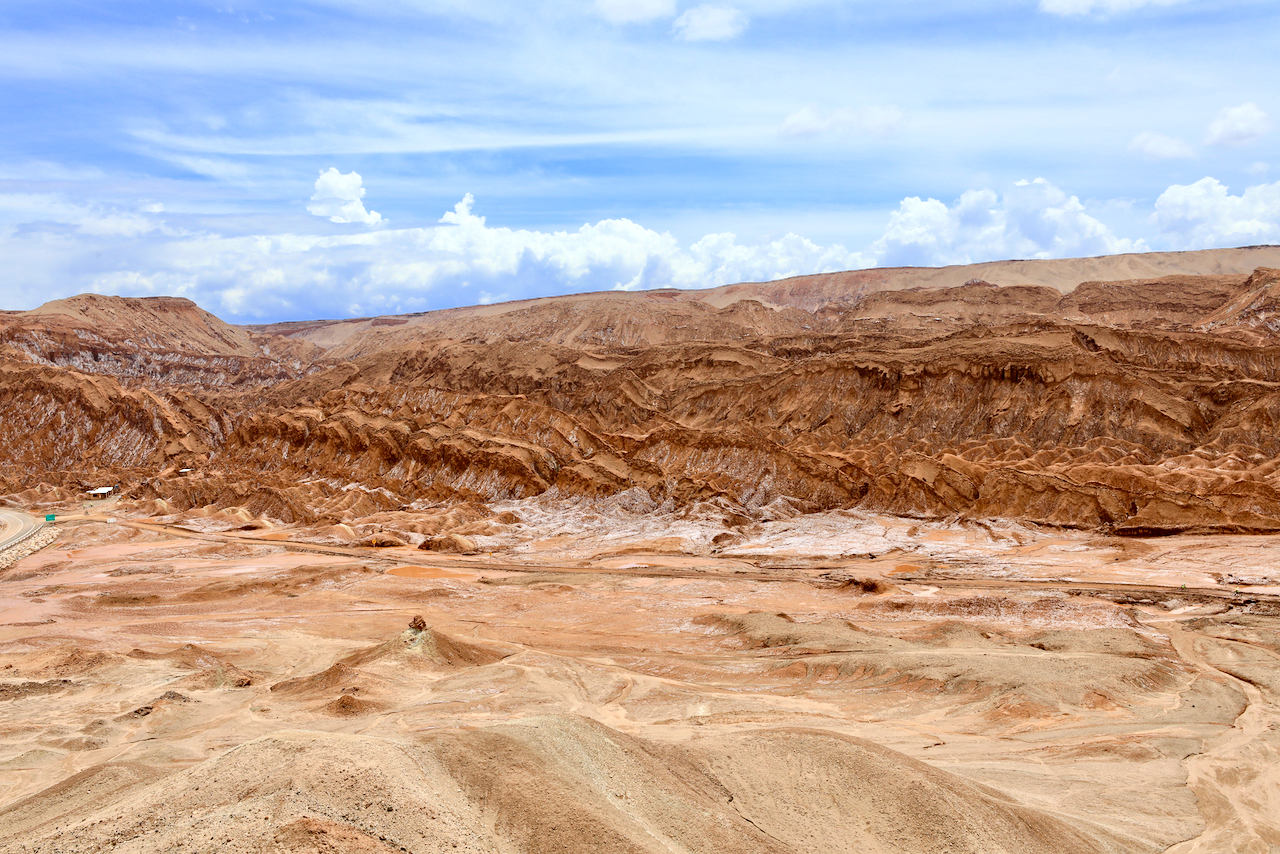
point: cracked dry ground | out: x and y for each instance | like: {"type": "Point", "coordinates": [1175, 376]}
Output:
{"type": "Point", "coordinates": [161, 693]}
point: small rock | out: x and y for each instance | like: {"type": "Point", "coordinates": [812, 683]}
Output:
{"type": "Point", "coordinates": [449, 543]}
{"type": "Point", "coordinates": [382, 541]}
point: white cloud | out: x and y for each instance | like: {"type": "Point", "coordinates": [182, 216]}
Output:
{"type": "Point", "coordinates": [710, 23]}
{"type": "Point", "coordinates": [811, 120]}
{"type": "Point", "coordinates": [338, 197]}
{"type": "Point", "coordinates": [460, 261]}
{"type": "Point", "coordinates": [1160, 147]}
{"type": "Point", "coordinates": [95, 220]}
{"type": "Point", "coordinates": [726, 261]}
{"type": "Point", "coordinates": [55, 248]}
{"type": "Point", "coordinates": [1259, 169]}
{"type": "Point", "coordinates": [465, 260]}
{"type": "Point", "coordinates": [1204, 215]}
{"type": "Point", "coordinates": [219, 168]}
{"type": "Point", "coordinates": [1034, 219]}
{"type": "Point", "coordinates": [1103, 7]}
{"type": "Point", "coordinates": [635, 11]}
{"type": "Point", "coordinates": [1238, 125]}
{"type": "Point", "coordinates": [44, 170]}
{"type": "Point", "coordinates": [620, 254]}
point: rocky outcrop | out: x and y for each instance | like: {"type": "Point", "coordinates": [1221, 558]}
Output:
{"type": "Point", "coordinates": [40, 539]}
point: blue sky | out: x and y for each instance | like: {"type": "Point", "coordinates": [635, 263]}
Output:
{"type": "Point", "coordinates": [335, 158]}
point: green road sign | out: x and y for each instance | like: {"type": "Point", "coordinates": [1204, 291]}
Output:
{"type": "Point", "coordinates": [48, 517]}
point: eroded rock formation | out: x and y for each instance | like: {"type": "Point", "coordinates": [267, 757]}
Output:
{"type": "Point", "coordinates": [1138, 406]}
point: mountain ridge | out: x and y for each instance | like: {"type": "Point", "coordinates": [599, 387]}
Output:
{"type": "Point", "coordinates": [1137, 406]}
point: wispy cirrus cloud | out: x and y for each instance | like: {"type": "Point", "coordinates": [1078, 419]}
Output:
{"type": "Point", "coordinates": [1157, 146]}
{"type": "Point", "coordinates": [1099, 7]}
{"type": "Point", "coordinates": [635, 11]}
{"type": "Point", "coordinates": [812, 120]}
{"type": "Point", "coordinates": [1238, 125]}
{"type": "Point", "coordinates": [711, 23]}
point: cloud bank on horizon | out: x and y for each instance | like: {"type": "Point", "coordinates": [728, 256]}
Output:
{"type": "Point", "coordinates": [290, 160]}
{"type": "Point", "coordinates": [463, 260]}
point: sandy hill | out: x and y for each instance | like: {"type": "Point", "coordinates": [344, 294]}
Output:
{"type": "Point", "coordinates": [168, 323]}
{"type": "Point", "coordinates": [582, 312]}
{"type": "Point", "coordinates": [1061, 274]}
{"type": "Point", "coordinates": [167, 339]}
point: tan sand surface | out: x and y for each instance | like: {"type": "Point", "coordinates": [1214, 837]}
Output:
{"type": "Point", "coordinates": [163, 693]}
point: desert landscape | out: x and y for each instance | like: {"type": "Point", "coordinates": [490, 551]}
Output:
{"type": "Point", "coordinates": [965, 559]}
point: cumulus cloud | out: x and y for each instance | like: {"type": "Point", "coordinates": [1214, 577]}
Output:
{"type": "Point", "coordinates": [461, 260]}
{"type": "Point", "coordinates": [1103, 7]}
{"type": "Point", "coordinates": [620, 254]}
{"type": "Point", "coordinates": [338, 197]}
{"type": "Point", "coordinates": [710, 23]}
{"type": "Point", "coordinates": [1157, 146]}
{"type": "Point", "coordinates": [1034, 219]}
{"type": "Point", "coordinates": [1205, 214]}
{"type": "Point", "coordinates": [1238, 125]}
{"type": "Point", "coordinates": [635, 11]}
{"type": "Point", "coordinates": [811, 120]}
{"type": "Point", "coordinates": [54, 248]}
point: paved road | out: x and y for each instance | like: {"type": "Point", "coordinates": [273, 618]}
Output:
{"type": "Point", "coordinates": [15, 526]}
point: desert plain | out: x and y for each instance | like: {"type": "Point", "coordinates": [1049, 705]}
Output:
{"type": "Point", "coordinates": [960, 560]}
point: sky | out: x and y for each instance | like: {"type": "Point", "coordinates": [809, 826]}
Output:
{"type": "Point", "coordinates": [335, 158]}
